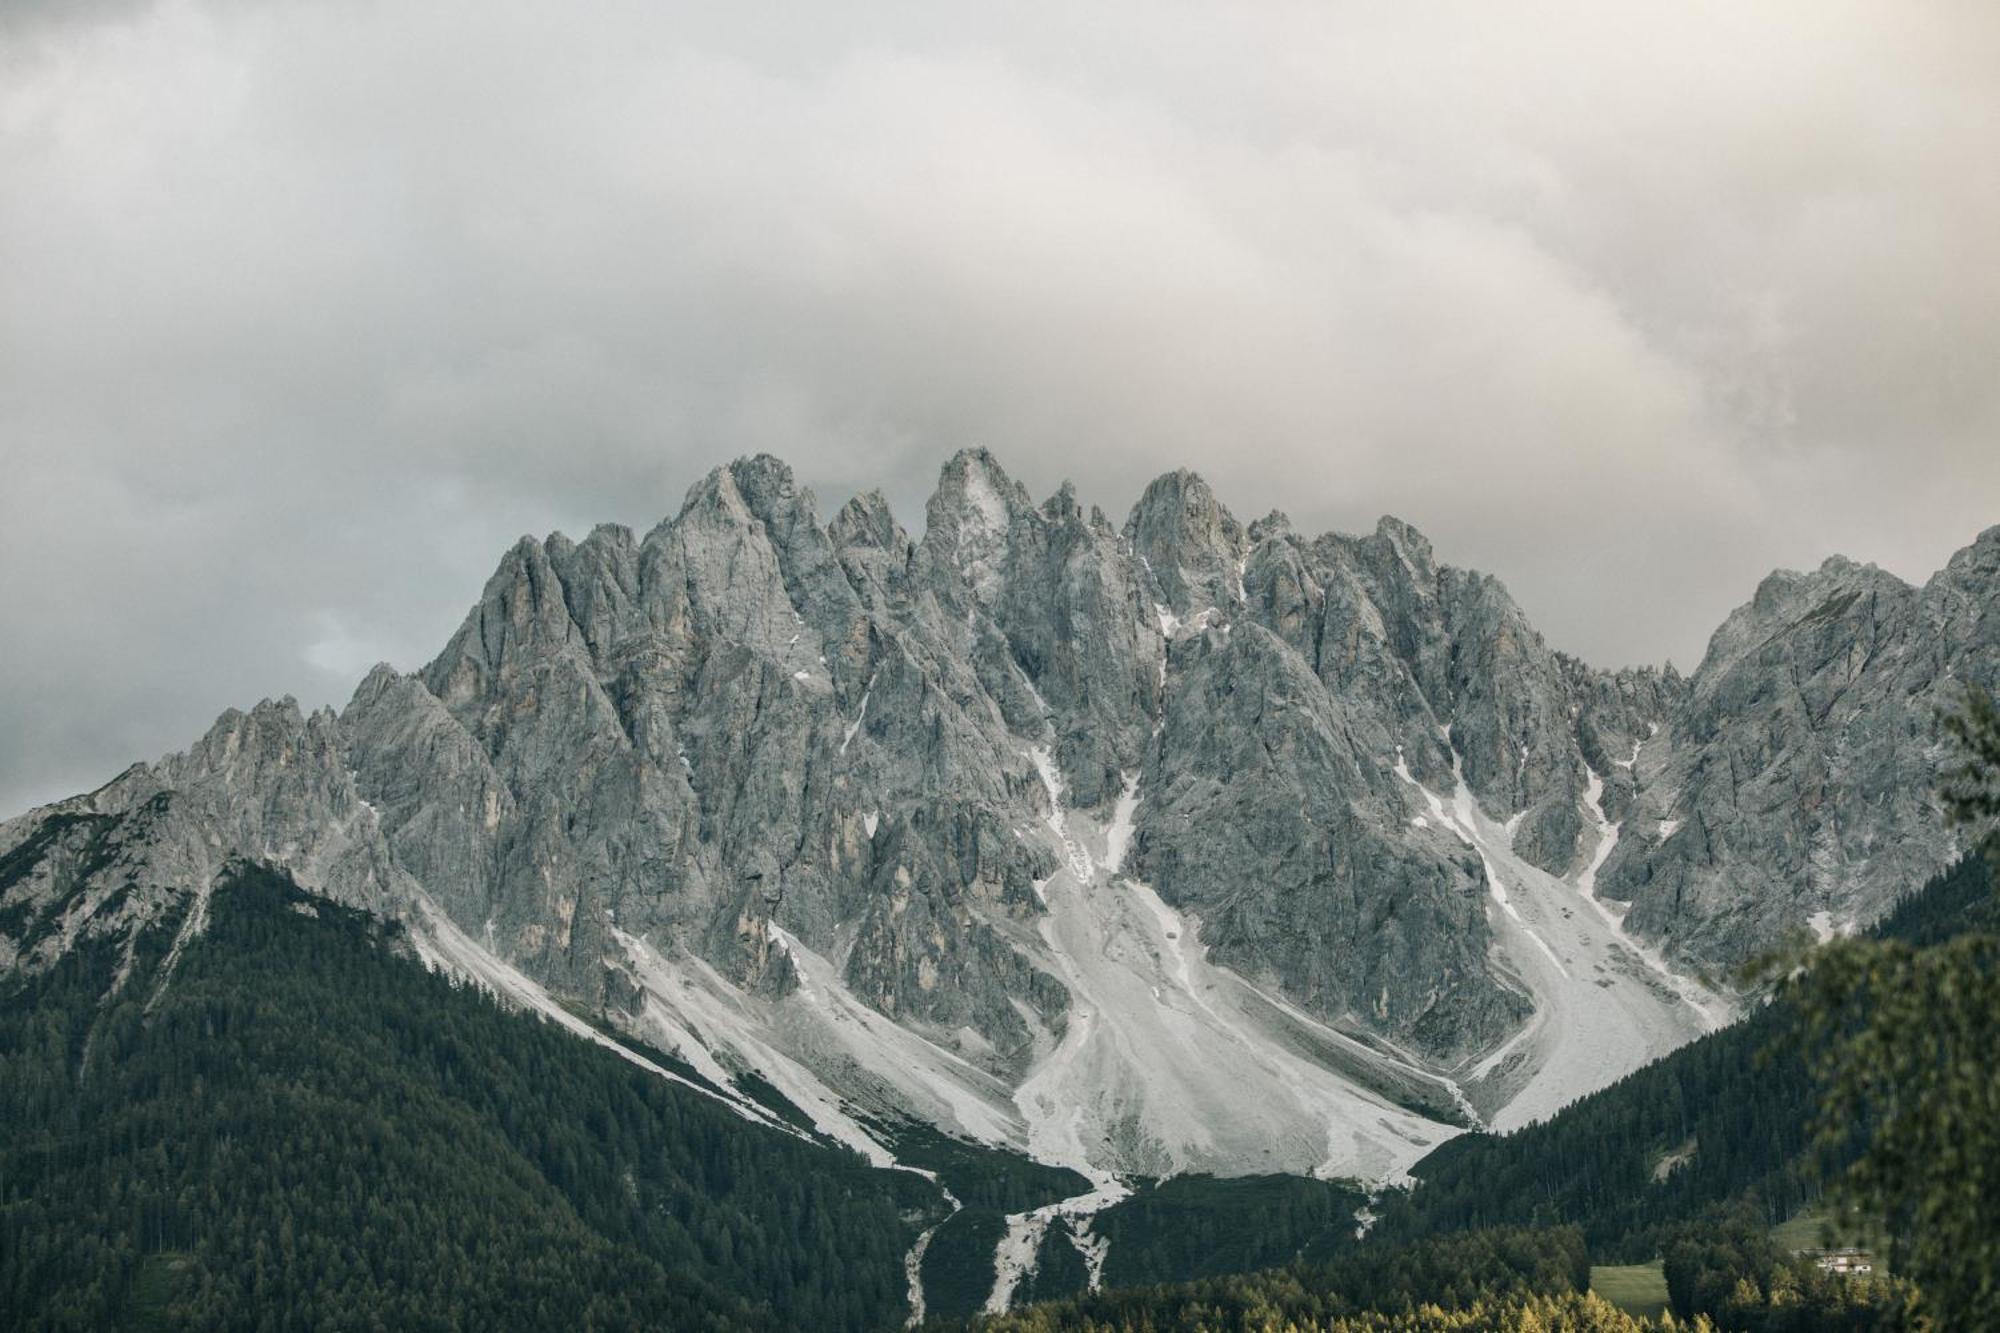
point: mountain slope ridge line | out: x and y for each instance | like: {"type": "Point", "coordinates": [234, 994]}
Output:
{"type": "Point", "coordinates": [863, 797]}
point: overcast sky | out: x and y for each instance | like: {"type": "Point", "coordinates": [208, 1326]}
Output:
{"type": "Point", "coordinates": [308, 309]}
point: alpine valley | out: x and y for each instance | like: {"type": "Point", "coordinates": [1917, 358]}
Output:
{"type": "Point", "coordinates": [1065, 871]}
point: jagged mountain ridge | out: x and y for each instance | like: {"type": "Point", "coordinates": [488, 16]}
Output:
{"type": "Point", "coordinates": [915, 825]}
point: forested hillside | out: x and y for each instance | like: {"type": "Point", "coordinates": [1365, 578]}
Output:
{"type": "Point", "coordinates": [1199, 1226]}
{"type": "Point", "coordinates": [1499, 1279]}
{"type": "Point", "coordinates": [1725, 1120]}
{"type": "Point", "coordinates": [1506, 1280]}
{"type": "Point", "coordinates": [289, 1120]}
{"type": "Point", "coordinates": [286, 1112]}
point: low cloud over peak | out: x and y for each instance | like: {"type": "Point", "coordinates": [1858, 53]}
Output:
{"type": "Point", "coordinates": [312, 308]}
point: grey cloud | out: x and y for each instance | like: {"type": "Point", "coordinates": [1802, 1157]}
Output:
{"type": "Point", "coordinates": [29, 20]}
{"type": "Point", "coordinates": [313, 308]}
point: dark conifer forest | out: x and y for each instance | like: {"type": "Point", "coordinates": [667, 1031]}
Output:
{"type": "Point", "coordinates": [286, 1122]}
{"type": "Point", "coordinates": [294, 1127]}
{"type": "Point", "coordinates": [1723, 1123]}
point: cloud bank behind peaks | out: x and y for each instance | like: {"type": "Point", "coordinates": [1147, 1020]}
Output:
{"type": "Point", "coordinates": [311, 308]}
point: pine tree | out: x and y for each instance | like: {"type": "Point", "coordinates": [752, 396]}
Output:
{"type": "Point", "coordinates": [1910, 1035]}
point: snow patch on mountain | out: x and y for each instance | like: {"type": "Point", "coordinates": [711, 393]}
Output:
{"type": "Point", "coordinates": [838, 1060]}
{"type": "Point", "coordinates": [860, 715]}
{"type": "Point", "coordinates": [1014, 1258]}
{"type": "Point", "coordinates": [1602, 1006]}
{"type": "Point", "coordinates": [1118, 838]}
{"type": "Point", "coordinates": [443, 947]}
{"type": "Point", "coordinates": [1715, 1010]}
{"type": "Point", "coordinates": [913, 1262]}
{"type": "Point", "coordinates": [1170, 1063]}
{"type": "Point", "coordinates": [192, 926]}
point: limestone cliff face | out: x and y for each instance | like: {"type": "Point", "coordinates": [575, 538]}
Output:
{"type": "Point", "coordinates": [750, 725]}
{"type": "Point", "coordinates": [1794, 783]}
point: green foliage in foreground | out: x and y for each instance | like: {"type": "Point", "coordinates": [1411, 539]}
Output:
{"type": "Point", "coordinates": [292, 1126]}
{"type": "Point", "coordinates": [1909, 1040]}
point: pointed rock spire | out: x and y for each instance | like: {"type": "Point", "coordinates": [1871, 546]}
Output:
{"type": "Point", "coordinates": [866, 521]}
{"type": "Point", "coordinates": [968, 521]}
{"type": "Point", "coordinates": [1192, 545]}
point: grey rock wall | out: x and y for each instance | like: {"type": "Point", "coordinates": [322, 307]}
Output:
{"type": "Point", "coordinates": [749, 718]}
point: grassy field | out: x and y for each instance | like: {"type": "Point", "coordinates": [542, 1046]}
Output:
{"type": "Point", "coordinates": [1802, 1232]}
{"type": "Point", "coordinates": [1637, 1289]}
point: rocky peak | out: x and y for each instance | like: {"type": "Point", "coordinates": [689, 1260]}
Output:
{"type": "Point", "coordinates": [1975, 568]}
{"type": "Point", "coordinates": [1273, 525]}
{"type": "Point", "coordinates": [1786, 596]}
{"type": "Point", "coordinates": [521, 617]}
{"type": "Point", "coordinates": [974, 494]}
{"type": "Point", "coordinates": [1191, 545]}
{"type": "Point", "coordinates": [768, 487]}
{"type": "Point", "coordinates": [1802, 620]}
{"type": "Point", "coordinates": [754, 500]}
{"type": "Point", "coordinates": [968, 522]}
{"type": "Point", "coordinates": [715, 497]}
{"type": "Point", "coordinates": [1795, 780]}
{"type": "Point", "coordinates": [750, 732]}
{"type": "Point", "coordinates": [268, 731]}
{"type": "Point", "coordinates": [734, 564]}
{"type": "Point", "coordinates": [1411, 549]}
{"type": "Point", "coordinates": [866, 520]}
{"type": "Point", "coordinates": [871, 547]}
{"type": "Point", "coordinates": [600, 582]}
{"type": "Point", "coordinates": [1062, 507]}
{"type": "Point", "coordinates": [1961, 604]}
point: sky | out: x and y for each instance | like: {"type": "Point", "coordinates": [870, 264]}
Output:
{"type": "Point", "coordinates": [308, 309]}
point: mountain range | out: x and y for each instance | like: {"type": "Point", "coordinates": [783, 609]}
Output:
{"type": "Point", "coordinates": [1176, 845]}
